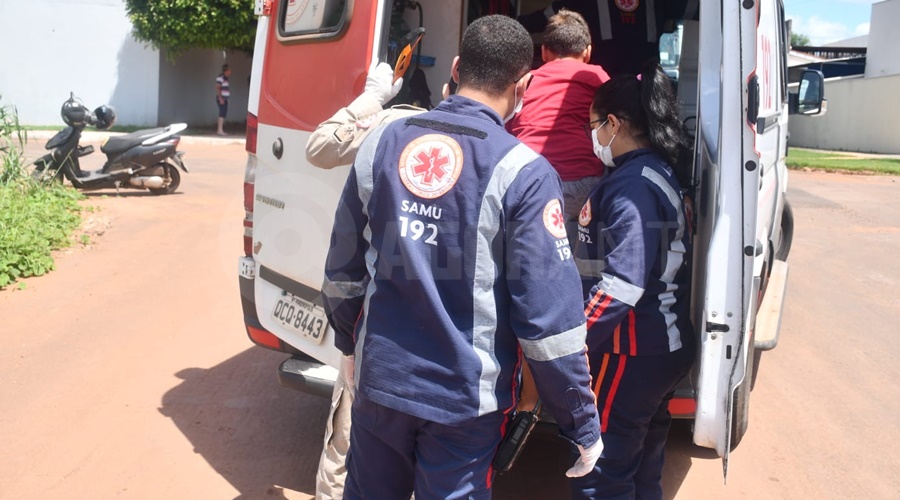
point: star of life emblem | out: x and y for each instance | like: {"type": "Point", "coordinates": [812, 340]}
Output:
{"type": "Point", "coordinates": [430, 165]}
{"type": "Point", "coordinates": [584, 217]}
{"type": "Point", "coordinates": [628, 5]}
{"type": "Point", "coordinates": [554, 220]}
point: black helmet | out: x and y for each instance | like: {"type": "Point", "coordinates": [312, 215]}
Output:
{"type": "Point", "coordinates": [104, 117]}
{"type": "Point", "coordinates": [74, 112]}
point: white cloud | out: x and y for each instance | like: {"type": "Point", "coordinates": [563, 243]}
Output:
{"type": "Point", "coordinates": [861, 29]}
{"type": "Point", "coordinates": [821, 31]}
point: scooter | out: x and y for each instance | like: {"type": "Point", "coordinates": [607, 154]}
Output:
{"type": "Point", "coordinates": [145, 159]}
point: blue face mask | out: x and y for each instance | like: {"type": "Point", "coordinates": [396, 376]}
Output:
{"type": "Point", "coordinates": [601, 151]}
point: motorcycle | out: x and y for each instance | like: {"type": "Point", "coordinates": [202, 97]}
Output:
{"type": "Point", "coordinates": [145, 159]}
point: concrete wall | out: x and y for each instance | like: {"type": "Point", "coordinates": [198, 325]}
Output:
{"type": "Point", "coordinates": [863, 115]}
{"type": "Point", "coordinates": [51, 47]}
{"type": "Point", "coordinates": [883, 58]}
{"type": "Point", "coordinates": [187, 87]}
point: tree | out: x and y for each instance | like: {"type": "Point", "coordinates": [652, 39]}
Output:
{"type": "Point", "coordinates": [799, 40]}
{"type": "Point", "coordinates": [178, 25]}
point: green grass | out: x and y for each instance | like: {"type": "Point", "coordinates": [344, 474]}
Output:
{"type": "Point", "coordinates": [841, 162]}
{"type": "Point", "coordinates": [35, 218]}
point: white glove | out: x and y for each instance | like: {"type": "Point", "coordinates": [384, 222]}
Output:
{"type": "Point", "coordinates": [380, 83]}
{"type": "Point", "coordinates": [587, 460]}
{"type": "Point", "coordinates": [348, 371]}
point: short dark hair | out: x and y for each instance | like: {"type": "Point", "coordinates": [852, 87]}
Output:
{"type": "Point", "coordinates": [496, 50]}
{"type": "Point", "coordinates": [224, 67]}
{"type": "Point", "coordinates": [567, 34]}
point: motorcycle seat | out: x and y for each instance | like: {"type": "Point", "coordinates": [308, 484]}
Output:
{"type": "Point", "coordinates": [123, 143]}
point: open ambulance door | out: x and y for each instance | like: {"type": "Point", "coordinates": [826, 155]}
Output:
{"type": "Point", "coordinates": [315, 59]}
{"type": "Point", "coordinates": [725, 245]}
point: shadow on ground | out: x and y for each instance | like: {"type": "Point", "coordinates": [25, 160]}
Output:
{"type": "Point", "coordinates": [260, 437]}
{"type": "Point", "coordinates": [264, 439]}
{"type": "Point", "coordinates": [540, 471]}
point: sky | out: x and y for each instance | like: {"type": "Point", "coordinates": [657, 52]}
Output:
{"type": "Point", "coordinates": [825, 21]}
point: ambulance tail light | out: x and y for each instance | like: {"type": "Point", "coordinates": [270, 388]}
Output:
{"type": "Point", "coordinates": [252, 131]}
{"type": "Point", "coordinates": [248, 219]}
{"type": "Point", "coordinates": [682, 407]}
{"type": "Point", "coordinates": [264, 338]}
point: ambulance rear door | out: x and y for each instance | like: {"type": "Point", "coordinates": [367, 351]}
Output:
{"type": "Point", "coordinates": [316, 56]}
{"type": "Point", "coordinates": [728, 171]}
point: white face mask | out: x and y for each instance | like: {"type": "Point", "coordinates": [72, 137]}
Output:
{"type": "Point", "coordinates": [601, 151]}
{"type": "Point", "coordinates": [518, 106]}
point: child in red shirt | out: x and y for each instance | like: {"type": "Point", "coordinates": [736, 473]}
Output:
{"type": "Point", "coordinates": [557, 105]}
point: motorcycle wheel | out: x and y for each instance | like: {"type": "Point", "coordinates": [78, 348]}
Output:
{"type": "Point", "coordinates": [173, 178]}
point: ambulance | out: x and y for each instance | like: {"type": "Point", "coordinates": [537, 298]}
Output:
{"type": "Point", "coordinates": [730, 61]}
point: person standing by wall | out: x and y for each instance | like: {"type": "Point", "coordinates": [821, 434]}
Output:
{"type": "Point", "coordinates": [431, 322]}
{"type": "Point", "coordinates": [223, 92]}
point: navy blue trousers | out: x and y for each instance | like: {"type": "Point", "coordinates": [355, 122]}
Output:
{"type": "Point", "coordinates": [393, 454]}
{"type": "Point", "coordinates": [633, 394]}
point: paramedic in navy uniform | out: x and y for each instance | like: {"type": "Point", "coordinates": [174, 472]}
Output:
{"type": "Point", "coordinates": [448, 253]}
{"type": "Point", "coordinates": [634, 254]}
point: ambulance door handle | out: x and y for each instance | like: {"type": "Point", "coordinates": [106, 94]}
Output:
{"type": "Point", "coordinates": [278, 148]}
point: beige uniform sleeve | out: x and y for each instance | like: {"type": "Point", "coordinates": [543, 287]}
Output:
{"type": "Point", "coordinates": [337, 139]}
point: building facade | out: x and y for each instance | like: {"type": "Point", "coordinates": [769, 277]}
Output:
{"type": "Point", "coordinates": [54, 47]}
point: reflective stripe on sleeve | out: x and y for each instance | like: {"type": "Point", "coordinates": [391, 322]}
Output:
{"type": "Point", "coordinates": [621, 290]}
{"type": "Point", "coordinates": [556, 346]}
{"type": "Point", "coordinates": [605, 21]}
{"type": "Point", "coordinates": [364, 167]}
{"type": "Point", "coordinates": [484, 303]}
{"type": "Point", "coordinates": [674, 259]}
{"type": "Point", "coordinates": [344, 289]}
{"type": "Point", "coordinates": [592, 268]}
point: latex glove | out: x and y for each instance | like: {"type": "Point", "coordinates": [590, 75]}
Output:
{"type": "Point", "coordinates": [348, 371]}
{"type": "Point", "coordinates": [588, 459]}
{"type": "Point", "coordinates": [380, 83]}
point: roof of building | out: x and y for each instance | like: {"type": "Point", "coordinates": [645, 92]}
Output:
{"type": "Point", "coordinates": [857, 41]}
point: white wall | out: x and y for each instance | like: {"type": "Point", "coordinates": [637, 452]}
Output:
{"type": "Point", "coordinates": [187, 90]}
{"type": "Point", "coordinates": [51, 47]}
{"type": "Point", "coordinates": [862, 116]}
{"type": "Point", "coordinates": [883, 57]}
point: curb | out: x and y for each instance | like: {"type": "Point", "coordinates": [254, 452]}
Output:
{"type": "Point", "coordinates": [96, 136]}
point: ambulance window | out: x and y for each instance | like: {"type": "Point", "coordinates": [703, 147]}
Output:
{"type": "Point", "coordinates": [312, 18]}
{"type": "Point", "coordinates": [670, 52]}
{"type": "Point", "coordinates": [783, 40]}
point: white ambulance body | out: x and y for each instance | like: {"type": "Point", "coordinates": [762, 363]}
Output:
{"type": "Point", "coordinates": [310, 60]}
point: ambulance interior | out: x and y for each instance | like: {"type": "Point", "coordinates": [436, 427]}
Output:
{"type": "Point", "coordinates": [445, 20]}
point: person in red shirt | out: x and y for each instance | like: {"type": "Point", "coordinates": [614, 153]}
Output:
{"type": "Point", "coordinates": [555, 107]}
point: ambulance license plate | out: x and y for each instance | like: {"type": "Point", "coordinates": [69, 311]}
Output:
{"type": "Point", "coordinates": [300, 316]}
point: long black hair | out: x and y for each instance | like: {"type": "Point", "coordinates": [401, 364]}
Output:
{"type": "Point", "coordinates": [649, 107]}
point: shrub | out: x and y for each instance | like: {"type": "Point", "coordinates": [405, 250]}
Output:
{"type": "Point", "coordinates": [34, 219]}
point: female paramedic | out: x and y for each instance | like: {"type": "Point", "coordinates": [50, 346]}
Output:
{"type": "Point", "coordinates": [634, 254]}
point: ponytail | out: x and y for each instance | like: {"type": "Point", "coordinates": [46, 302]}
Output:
{"type": "Point", "coordinates": [648, 105]}
{"type": "Point", "coordinates": [664, 128]}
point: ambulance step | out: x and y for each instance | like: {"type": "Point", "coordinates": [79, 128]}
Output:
{"type": "Point", "coordinates": [307, 376]}
{"type": "Point", "coordinates": [768, 318]}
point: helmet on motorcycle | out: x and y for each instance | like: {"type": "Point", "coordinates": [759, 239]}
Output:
{"type": "Point", "coordinates": [104, 117]}
{"type": "Point", "coordinates": [74, 112]}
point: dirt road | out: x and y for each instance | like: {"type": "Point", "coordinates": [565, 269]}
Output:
{"type": "Point", "coordinates": [126, 372]}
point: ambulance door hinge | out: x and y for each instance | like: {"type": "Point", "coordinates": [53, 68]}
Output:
{"type": "Point", "coordinates": [262, 7]}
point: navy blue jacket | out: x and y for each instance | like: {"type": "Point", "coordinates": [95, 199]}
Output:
{"type": "Point", "coordinates": [448, 259]}
{"type": "Point", "coordinates": [634, 256]}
